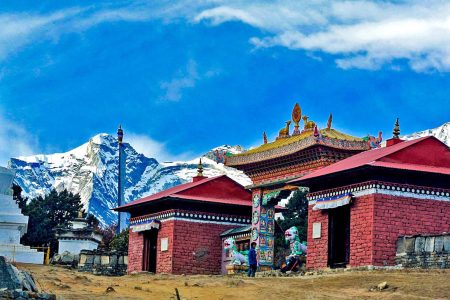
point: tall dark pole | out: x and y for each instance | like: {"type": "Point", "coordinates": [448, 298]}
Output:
{"type": "Point", "coordinates": [119, 181]}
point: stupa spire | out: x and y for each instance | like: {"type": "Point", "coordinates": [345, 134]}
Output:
{"type": "Point", "coordinates": [200, 168]}
{"type": "Point", "coordinates": [396, 132]}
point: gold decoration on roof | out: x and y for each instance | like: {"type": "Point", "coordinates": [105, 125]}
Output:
{"type": "Point", "coordinates": [200, 168]}
{"type": "Point", "coordinates": [330, 119]}
{"type": "Point", "coordinates": [265, 137]}
{"type": "Point", "coordinates": [332, 134]}
{"type": "Point", "coordinates": [284, 132]}
{"type": "Point", "coordinates": [396, 131]}
{"type": "Point", "coordinates": [296, 117]}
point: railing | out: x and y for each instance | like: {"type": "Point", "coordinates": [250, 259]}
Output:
{"type": "Point", "coordinates": [45, 249]}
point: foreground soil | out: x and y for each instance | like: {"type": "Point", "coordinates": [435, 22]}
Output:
{"type": "Point", "coordinates": [402, 284]}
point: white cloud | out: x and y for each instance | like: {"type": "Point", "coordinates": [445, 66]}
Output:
{"type": "Point", "coordinates": [16, 141]}
{"type": "Point", "coordinates": [361, 34]}
{"type": "Point", "coordinates": [184, 79]}
{"type": "Point", "coordinates": [147, 146]}
{"type": "Point", "coordinates": [152, 148]}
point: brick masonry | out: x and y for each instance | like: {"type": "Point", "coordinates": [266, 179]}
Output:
{"type": "Point", "coordinates": [376, 222]}
{"type": "Point", "coordinates": [194, 248]}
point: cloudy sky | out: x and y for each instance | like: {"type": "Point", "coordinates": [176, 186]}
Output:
{"type": "Point", "coordinates": [184, 77]}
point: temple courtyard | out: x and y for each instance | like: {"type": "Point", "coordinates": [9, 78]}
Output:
{"type": "Point", "coordinates": [401, 284]}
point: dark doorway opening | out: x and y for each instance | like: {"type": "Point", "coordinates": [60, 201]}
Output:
{"type": "Point", "coordinates": [149, 257]}
{"type": "Point", "coordinates": [339, 236]}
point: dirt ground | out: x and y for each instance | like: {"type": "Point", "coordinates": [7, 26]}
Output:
{"type": "Point", "coordinates": [402, 284]}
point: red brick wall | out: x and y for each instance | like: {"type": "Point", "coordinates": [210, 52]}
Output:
{"type": "Point", "coordinates": [376, 221]}
{"type": "Point", "coordinates": [135, 248]}
{"type": "Point", "coordinates": [200, 238]}
{"type": "Point", "coordinates": [317, 248]}
{"type": "Point", "coordinates": [164, 261]}
{"type": "Point", "coordinates": [361, 231]}
{"type": "Point", "coordinates": [396, 216]}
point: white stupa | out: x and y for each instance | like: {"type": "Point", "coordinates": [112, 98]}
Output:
{"type": "Point", "coordinates": [13, 225]}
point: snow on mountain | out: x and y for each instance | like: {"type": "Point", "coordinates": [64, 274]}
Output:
{"type": "Point", "coordinates": [92, 171]}
{"type": "Point", "coordinates": [442, 133]}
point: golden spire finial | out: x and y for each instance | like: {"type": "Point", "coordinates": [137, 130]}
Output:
{"type": "Point", "coordinates": [330, 119]}
{"type": "Point", "coordinates": [396, 131]}
{"type": "Point", "coordinates": [296, 117]}
{"type": "Point", "coordinates": [200, 168]}
{"type": "Point", "coordinates": [265, 137]}
{"type": "Point", "coordinates": [80, 214]}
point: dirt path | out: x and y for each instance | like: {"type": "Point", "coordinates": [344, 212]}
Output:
{"type": "Point", "coordinates": [347, 285]}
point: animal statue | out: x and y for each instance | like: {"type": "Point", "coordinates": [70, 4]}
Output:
{"type": "Point", "coordinates": [296, 247]}
{"type": "Point", "coordinates": [375, 142]}
{"type": "Point", "coordinates": [284, 132]}
{"type": "Point", "coordinates": [238, 257]}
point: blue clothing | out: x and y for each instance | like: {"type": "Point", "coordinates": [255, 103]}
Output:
{"type": "Point", "coordinates": [252, 270]}
{"type": "Point", "coordinates": [252, 257]}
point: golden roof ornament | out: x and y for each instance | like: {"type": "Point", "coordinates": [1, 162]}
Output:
{"type": "Point", "coordinates": [396, 131]}
{"type": "Point", "coordinates": [80, 214]}
{"type": "Point", "coordinates": [200, 168]}
{"type": "Point", "coordinates": [330, 119]}
{"type": "Point", "coordinates": [265, 137]}
{"type": "Point", "coordinates": [284, 132]}
{"type": "Point", "coordinates": [296, 117]}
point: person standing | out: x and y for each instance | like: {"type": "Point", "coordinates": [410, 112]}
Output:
{"type": "Point", "coordinates": [252, 262]}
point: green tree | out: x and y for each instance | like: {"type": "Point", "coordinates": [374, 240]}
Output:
{"type": "Point", "coordinates": [47, 213]}
{"type": "Point", "coordinates": [120, 241]}
{"type": "Point", "coordinates": [17, 196]}
{"type": "Point", "coordinates": [295, 215]}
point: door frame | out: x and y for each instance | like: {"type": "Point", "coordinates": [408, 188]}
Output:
{"type": "Point", "coordinates": [337, 217]}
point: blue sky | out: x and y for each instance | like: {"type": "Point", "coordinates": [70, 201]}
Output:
{"type": "Point", "coordinates": [184, 77]}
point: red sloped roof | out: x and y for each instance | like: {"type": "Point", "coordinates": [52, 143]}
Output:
{"type": "Point", "coordinates": [218, 189]}
{"type": "Point", "coordinates": [426, 154]}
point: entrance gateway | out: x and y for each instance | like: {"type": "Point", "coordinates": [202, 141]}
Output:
{"type": "Point", "coordinates": [149, 256]}
{"type": "Point", "coordinates": [292, 155]}
{"type": "Point", "coordinates": [339, 233]}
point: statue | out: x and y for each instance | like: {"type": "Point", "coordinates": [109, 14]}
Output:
{"type": "Point", "coordinates": [297, 248]}
{"type": "Point", "coordinates": [239, 258]}
{"type": "Point", "coordinates": [373, 141]}
{"type": "Point", "coordinates": [284, 132]}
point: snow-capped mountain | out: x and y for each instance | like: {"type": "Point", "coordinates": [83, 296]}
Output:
{"type": "Point", "coordinates": [92, 171]}
{"type": "Point", "coordinates": [442, 133]}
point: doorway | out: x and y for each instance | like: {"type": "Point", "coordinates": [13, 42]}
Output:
{"type": "Point", "coordinates": [149, 251]}
{"type": "Point", "coordinates": [339, 236]}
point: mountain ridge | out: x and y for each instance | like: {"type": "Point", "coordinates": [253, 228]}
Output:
{"type": "Point", "coordinates": [91, 170]}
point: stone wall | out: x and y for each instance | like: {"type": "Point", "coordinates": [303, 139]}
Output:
{"type": "Point", "coordinates": [424, 251]}
{"type": "Point", "coordinates": [98, 262]}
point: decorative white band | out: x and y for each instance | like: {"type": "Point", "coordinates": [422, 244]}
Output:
{"type": "Point", "coordinates": [201, 221]}
{"type": "Point", "coordinates": [386, 189]}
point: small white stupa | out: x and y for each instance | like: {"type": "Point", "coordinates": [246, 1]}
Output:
{"type": "Point", "coordinates": [77, 236]}
{"type": "Point", "coordinates": [13, 225]}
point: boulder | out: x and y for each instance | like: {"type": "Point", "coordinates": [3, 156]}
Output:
{"type": "Point", "coordinates": [12, 278]}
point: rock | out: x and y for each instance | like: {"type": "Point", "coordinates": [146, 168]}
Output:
{"type": "Point", "coordinates": [110, 289]}
{"type": "Point", "coordinates": [381, 286]}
